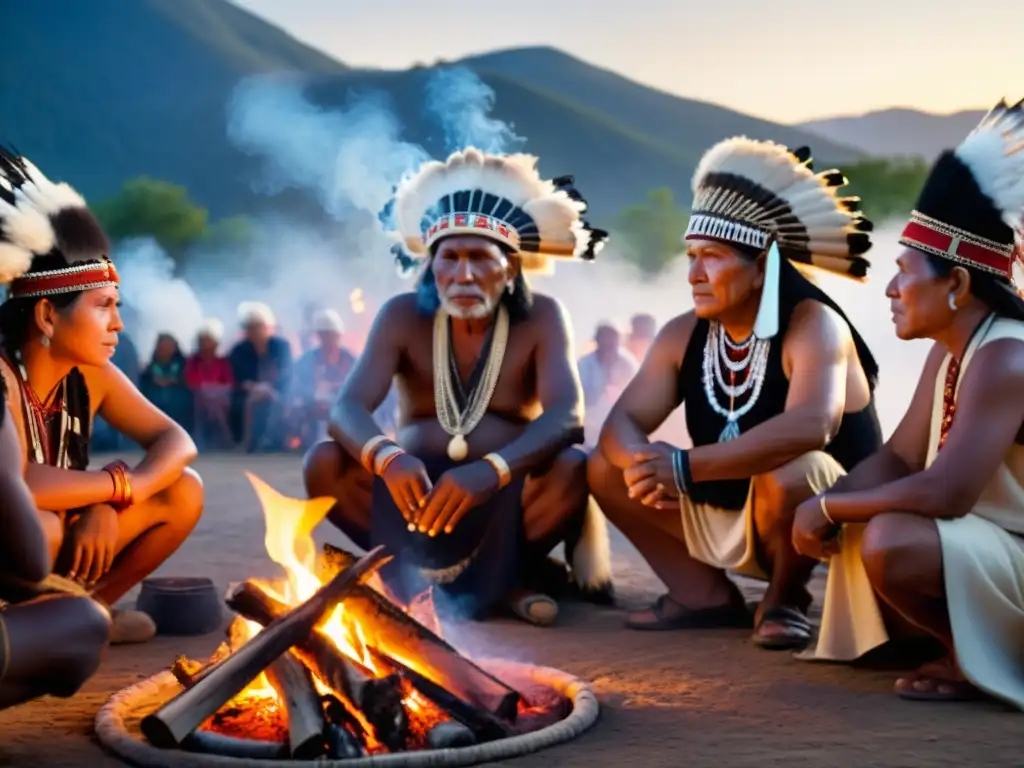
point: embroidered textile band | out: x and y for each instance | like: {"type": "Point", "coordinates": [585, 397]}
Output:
{"type": "Point", "coordinates": [957, 244]}
{"type": "Point", "coordinates": [83, 277]}
{"type": "Point", "coordinates": [706, 225]}
{"type": "Point", "coordinates": [472, 224]}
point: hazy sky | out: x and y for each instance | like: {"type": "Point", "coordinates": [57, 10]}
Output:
{"type": "Point", "coordinates": [787, 60]}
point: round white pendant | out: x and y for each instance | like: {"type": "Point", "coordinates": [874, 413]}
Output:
{"type": "Point", "coordinates": [458, 448]}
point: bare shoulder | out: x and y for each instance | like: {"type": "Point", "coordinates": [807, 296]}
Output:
{"type": "Point", "coordinates": [1002, 363]}
{"type": "Point", "coordinates": [674, 338]}
{"type": "Point", "coordinates": [548, 312]}
{"type": "Point", "coordinates": [101, 380]}
{"type": "Point", "coordinates": [398, 308]}
{"type": "Point", "coordinates": [814, 321]}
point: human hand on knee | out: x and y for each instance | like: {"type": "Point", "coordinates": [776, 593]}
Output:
{"type": "Point", "coordinates": [814, 535]}
{"type": "Point", "coordinates": [649, 478]}
{"type": "Point", "coordinates": [92, 538]}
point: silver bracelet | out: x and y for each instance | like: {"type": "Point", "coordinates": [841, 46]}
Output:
{"type": "Point", "coordinates": [824, 510]}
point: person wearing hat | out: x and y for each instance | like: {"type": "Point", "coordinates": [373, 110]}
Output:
{"type": "Point", "coordinates": [319, 374]}
{"type": "Point", "coordinates": [109, 527]}
{"type": "Point", "coordinates": [483, 479]}
{"type": "Point", "coordinates": [927, 536]}
{"type": "Point", "coordinates": [210, 379]}
{"type": "Point", "coordinates": [778, 388]}
{"type": "Point", "coordinates": [261, 364]}
{"type": "Point", "coordinates": [604, 374]}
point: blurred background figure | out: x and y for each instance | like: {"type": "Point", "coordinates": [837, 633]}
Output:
{"type": "Point", "coordinates": [163, 381]}
{"type": "Point", "coordinates": [604, 373]}
{"type": "Point", "coordinates": [261, 364]}
{"type": "Point", "coordinates": [209, 377]}
{"type": "Point", "coordinates": [319, 374]}
{"type": "Point", "coordinates": [642, 330]}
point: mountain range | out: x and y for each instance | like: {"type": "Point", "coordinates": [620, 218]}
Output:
{"type": "Point", "coordinates": [123, 89]}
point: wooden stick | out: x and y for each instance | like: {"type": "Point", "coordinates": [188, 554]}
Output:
{"type": "Point", "coordinates": [484, 725]}
{"type": "Point", "coordinates": [294, 685]}
{"type": "Point", "coordinates": [169, 725]}
{"type": "Point", "coordinates": [379, 699]}
{"type": "Point", "coordinates": [390, 630]}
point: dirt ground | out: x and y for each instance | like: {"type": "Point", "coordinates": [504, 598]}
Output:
{"type": "Point", "coordinates": [668, 699]}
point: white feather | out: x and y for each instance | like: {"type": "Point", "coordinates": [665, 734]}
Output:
{"type": "Point", "coordinates": [25, 226]}
{"type": "Point", "coordinates": [14, 262]}
{"type": "Point", "coordinates": [512, 177]}
{"type": "Point", "coordinates": [994, 152]}
{"type": "Point", "coordinates": [48, 197]}
{"type": "Point", "coordinates": [592, 555]}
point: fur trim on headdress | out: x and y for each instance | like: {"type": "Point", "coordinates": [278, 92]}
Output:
{"type": "Point", "coordinates": [38, 216]}
{"type": "Point", "coordinates": [972, 204]}
{"type": "Point", "coordinates": [500, 197]}
{"type": "Point", "coordinates": [751, 192]}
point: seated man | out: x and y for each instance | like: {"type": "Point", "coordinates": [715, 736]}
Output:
{"type": "Point", "coordinates": [483, 481]}
{"type": "Point", "coordinates": [48, 644]}
{"type": "Point", "coordinates": [942, 551]}
{"type": "Point", "coordinates": [778, 389]}
{"type": "Point", "coordinates": [107, 528]}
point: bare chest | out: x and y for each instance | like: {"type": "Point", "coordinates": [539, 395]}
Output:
{"type": "Point", "coordinates": [516, 389]}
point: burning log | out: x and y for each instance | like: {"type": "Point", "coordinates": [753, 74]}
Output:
{"type": "Point", "coordinates": [175, 720]}
{"type": "Point", "coordinates": [345, 736]}
{"type": "Point", "coordinates": [483, 725]}
{"type": "Point", "coordinates": [397, 635]}
{"type": "Point", "coordinates": [294, 685]}
{"type": "Point", "coordinates": [379, 699]}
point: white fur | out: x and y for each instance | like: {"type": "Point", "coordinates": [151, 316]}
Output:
{"type": "Point", "coordinates": [994, 152]}
{"type": "Point", "coordinates": [513, 177]}
{"type": "Point", "coordinates": [14, 262]}
{"type": "Point", "coordinates": [255, 311]}
{"type": "Point", "coordinates": [592, 556]}
{"type": "Point", "coordinates": [25, 226]}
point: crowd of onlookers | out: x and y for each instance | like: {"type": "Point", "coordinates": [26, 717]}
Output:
{"type": "Point", "coordinates": [261, 392]}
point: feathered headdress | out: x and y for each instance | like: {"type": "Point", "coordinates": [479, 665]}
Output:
{"type": "Point", "coordinates": [500, 197]}
{"type": "Point", "coordinates": [760, 194]}
{"type": "Point", "coordinates": [971, 209]}
{"type": "Point", "coordinates": [40, 218]}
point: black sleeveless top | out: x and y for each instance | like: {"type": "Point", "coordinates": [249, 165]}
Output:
{"type": "Point", "coordinates": [860, 433]}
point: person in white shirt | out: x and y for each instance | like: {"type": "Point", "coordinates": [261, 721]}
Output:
{"type": "Point", "coordinates": [604, 373]}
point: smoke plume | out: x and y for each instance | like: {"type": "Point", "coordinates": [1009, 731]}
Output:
{"type": "Point", "coordinates": [460, 102]}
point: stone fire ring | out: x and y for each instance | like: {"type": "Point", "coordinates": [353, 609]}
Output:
{"type": "Point", "coordinates": [131, 704]}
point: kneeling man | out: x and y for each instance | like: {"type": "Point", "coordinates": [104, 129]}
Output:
{"type": "Point", "coordinates": [778, 388]}
{"type": "Point", "coordinates": [484, 480]}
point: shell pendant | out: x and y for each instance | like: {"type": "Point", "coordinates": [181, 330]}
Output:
{"type": "Point", "coordinates": [458, 448]}
{"type": "Point", "coordinates": [731, 431]}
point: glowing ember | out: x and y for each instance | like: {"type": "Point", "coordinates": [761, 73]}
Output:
{"type": "Point", "coordinates": [360, 645]}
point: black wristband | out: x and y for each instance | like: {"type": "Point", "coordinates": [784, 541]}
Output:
{"type": "Point", "coordinates": [681, 471]}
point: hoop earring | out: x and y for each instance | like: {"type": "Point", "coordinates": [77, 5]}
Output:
{"type": "Point", "coordinates": [952, 303]}
{"type": "Point", "coordinates": [45, 340]}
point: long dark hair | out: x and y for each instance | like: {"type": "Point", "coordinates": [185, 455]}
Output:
{"type": "Point", "coordinates": [994, 292]}
{"type": "Point", "coordinates": [18, 315]}
{"type": "Point", "coordinates": [518, 303]}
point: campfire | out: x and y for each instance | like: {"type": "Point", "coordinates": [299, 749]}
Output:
{"type": "Point", "coordinates": [328, 664]}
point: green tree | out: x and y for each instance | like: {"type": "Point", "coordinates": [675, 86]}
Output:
{"type": "Point", "coordinates": [233, 232]}
{"type": "Point", "coordinates": [887, 187]}
{"type": "Point", "coordinates": [148, 207]}
{"type": "Point", "coordinates": [653, 232]}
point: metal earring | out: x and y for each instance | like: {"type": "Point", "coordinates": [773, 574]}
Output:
{"type": "Point", "coordinates": [510, 286]}
{"type": "Point", "coordinates": [45, 341]}
{"type": "Point", "coordinates": [952, 303]}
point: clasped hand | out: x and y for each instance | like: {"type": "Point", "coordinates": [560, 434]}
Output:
{"type": "Point", "coordinates": [649, 478]}
{"type": "Point", "coordinates": [435, 507]}
{"type": "Point", "coordinates": [813, 535]}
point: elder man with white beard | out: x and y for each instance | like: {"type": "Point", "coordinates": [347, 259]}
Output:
{"type": "Point", "coordinates": [484, 479]}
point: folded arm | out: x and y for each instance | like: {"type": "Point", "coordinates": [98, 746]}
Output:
{"type": "Point", "coordinates": [351, 421]}
{"type": "Point", "coordinates": [816, 349]}
{"type": "Point", "coordinates": [168, 449]}
{"type": "Point", "coordinates": [558, 389]}
{"type": "Point", "coordinates": [989, 414]}
{"type": "Point", "coordinates": [650, 396]}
